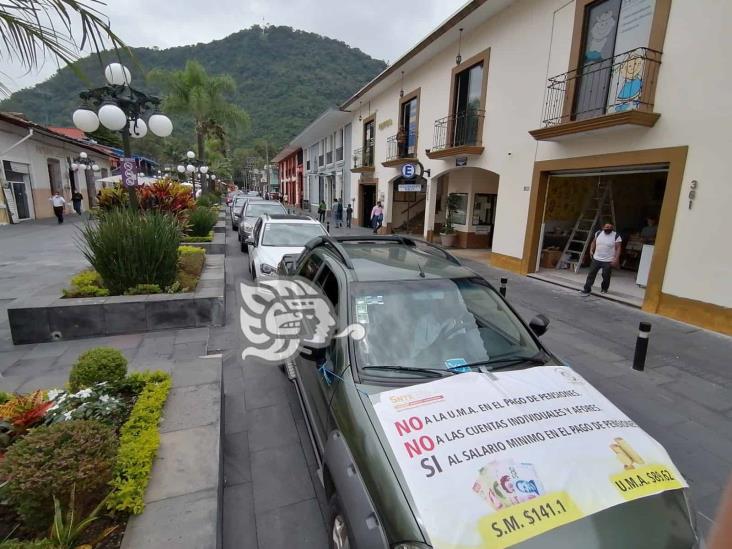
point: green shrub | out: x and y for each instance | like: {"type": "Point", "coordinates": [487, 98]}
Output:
{"type": "Point", "coordinates": [5, 397]}
{"type": "Point", "coordinates": [207, 238]}
{"type": "Point", "coordinates": [86, 291]}
{"type": "Point", "coordinates": [87, 283]}
{"type": "Point", "coordinates": [201, 221]}
{"type": "Point", "coordinates": [97, 365]}
{"type": "Point", "coordinates": [88, 277]}
{"type": "Point", "coordinates": [190, 265]}
{"type": "Point", "coordinates": [190, 250]}
{"type": "Point", "coordinates": [25, 544]}
{"type": "Point", "coordinates": [207, 200]}
{"type": "Point", "coordinates": [139, 441]}
{"type": "Point", "coordinates": [51, 461]}
{"type": "Point", "coordinates": [128, 248]}
{"type": "Point", "coordinates": [142, 289]}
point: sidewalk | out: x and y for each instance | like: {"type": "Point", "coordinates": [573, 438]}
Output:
{"type": "Point", "coordinates": [684, 396]}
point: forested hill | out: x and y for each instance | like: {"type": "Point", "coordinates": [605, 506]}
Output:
{"type": "Point", "coordinates": [285, 78]}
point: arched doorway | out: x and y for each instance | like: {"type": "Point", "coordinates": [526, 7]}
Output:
{"type": "Point", "coordinates": [408, 205]}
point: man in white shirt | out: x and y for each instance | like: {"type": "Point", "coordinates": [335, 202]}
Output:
{"type": "Point", "coordinates": [605, 250]}
{"type": "Point", "coordinates": [58, 206]}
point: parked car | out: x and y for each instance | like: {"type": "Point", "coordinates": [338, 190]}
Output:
{"type": "Point", "coordinates": [236, 205]}
{"type": "Point", "coordinates": [275, 236]}
{"type": "Point", "coordinates": [418, 302]}
{"type": "Point", "coordinates": [250, 211]}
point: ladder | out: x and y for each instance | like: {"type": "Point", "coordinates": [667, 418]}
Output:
{"type": "Point", "coordinates": [598, 205]}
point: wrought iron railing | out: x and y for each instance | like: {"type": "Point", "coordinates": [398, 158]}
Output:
{"type": "Point", "coordinates": [617, 84]}
{"type": "Point", "coordinates": [458, 130]}
{"type": "Point", "coordinates": [321, 158]}
{"type": "Point", "coordinates": [401, 145]}
{"type": "Point", "coordinates": [339, 154]}
{"type": "Point", "coordinates": [364, 157]}
{"type": "Point", "coordinates": [329, 157]}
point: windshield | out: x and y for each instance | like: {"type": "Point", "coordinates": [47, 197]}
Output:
{"type": "Point", "coordinates": [238, 202]}
{"type": "Point", "coordinates": [255, 209]}
{"type": "Point", "coordinates": [654, 522]}
{"type": "Point", "coordinates": [435, 324]}
{"type": "Point", "coordinates": [290, 234]}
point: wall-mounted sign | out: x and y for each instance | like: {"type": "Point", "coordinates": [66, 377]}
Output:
{"type": "Point", "coordinates": [409, 171]}
{"type": "Point", "coordinates": [386, 124]}
{"type": "Point", "coordinates": [128, 171]}
{"type": "Point", "coordinates": [461, 161]}
{"type": "Point", "coordinates": [409, 187]}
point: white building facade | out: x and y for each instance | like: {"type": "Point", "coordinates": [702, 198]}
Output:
{"type": "Point", "coordinates": [526, 113]}
{"type": "Point", "coordinates": [36, 162]}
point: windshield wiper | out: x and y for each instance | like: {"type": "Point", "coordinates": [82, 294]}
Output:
{"type": "Point", "coordinates": [507, 361]}
{"type": "Point", "coordinates": [432, 372]}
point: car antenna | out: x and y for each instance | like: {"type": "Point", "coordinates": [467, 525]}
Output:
{"type": "Point", "coordinates": [421, 272]}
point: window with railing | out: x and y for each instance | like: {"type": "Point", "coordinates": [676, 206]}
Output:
{"type": "Point", "coordinates": [321, 160]}
{"type": "Point", "coordinates": [459, 130]}
{"type": "Point", "coordinates": [616, 84]}
{"type": "Point", "coordinates": [339, 154]}
{"type": "Point", "coordinates": [401, 145]}
{"type": "Point", "coordinates": [329, 157]}
{"type": "Point", "coordinates": [364, 157]}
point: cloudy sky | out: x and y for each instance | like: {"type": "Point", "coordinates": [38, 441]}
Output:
{"type": "Point", "coordinates": [382, 28]}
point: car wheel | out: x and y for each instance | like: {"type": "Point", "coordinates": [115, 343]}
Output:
{"type": "Point", "coordinates": [243, 248]}
{"type": "Point", "coordinates": [234, 227]}
{"type": "Point", "coordinates": [238, 236]}
{"type": "Point", "coordinates": [253, 271]}
{"type": "Point", "coordinates": [338, 537]}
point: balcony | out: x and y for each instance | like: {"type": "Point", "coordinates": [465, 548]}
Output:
{"type": "Point", "coordinates": [458, 135]}
{"type": "Point", "coordinates": [611, 92]}
{"type": "Point", "coordinates": [321, 159]}
{"type": "Point", "coordinates": [339, 154]}
{"type": "Point", "coordinates": [401, 148]}
{"type": "Point", "coordinates": [329, 157]}
{"type": "Point", "coordinates": [363, 159]}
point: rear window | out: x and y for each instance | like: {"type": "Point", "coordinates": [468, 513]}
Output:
{"type": "Point", "coordinates": [255, 209]}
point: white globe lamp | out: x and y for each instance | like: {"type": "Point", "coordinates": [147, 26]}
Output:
{"type": "Point", "coordinates": [96, 167]}
{"type": "Point", "coordinates": [181, 168]}
{"type": "Point", "coordinates": [190, 168]}
{"type": "Point", "coordinates": [74, 166]}
{"type": "Point", "coordinates": [83, 155]}
{"type": "Point", "coordinates": [83, 167]}
{"type": "Point", "coordinates": [204, 169]}
{"type": "Point", "coordinates": [138, 128]}
{"type": "Point", "coordinates": [160, 125]}
{"type": "Point", "coordinates": [213, 176]}
{"type": "Point", "coordinates": [112, 117]}
{"type": "Point", "coordinates": [191, 154]}
{"type": "Point", "coordinates": [117, 74]}
{"type": "Point", "coordinates": [86, 120]}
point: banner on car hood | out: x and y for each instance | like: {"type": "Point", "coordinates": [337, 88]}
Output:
{"type": "Point", "coordinates": [495, 459]}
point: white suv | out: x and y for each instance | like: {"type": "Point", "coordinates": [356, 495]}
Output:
{"type": "Point", "coordinates": [275, 236]}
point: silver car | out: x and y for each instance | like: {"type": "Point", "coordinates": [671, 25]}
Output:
{"type": "Point", "coordinates": [250, 211]}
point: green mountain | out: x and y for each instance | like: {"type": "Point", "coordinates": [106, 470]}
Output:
{"type": "Point", "coordinates": [285, 78]}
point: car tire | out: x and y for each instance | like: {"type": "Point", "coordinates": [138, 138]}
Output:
{"type": "Point", "coordinates": [238, 236]}
{"type": "Point", "coordinates": [234, 227]}
{"type": "Point", "coordinates": [253, 272]}
{"type": "Point", "coordinates": [338, 537]}
{"type": "Point", "coordinates": [243, 248]}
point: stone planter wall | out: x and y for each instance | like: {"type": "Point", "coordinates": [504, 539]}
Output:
{"type": "Point", "coordinates": [40, 319]}
{"type": "Point", "coordinates": [216, 246]}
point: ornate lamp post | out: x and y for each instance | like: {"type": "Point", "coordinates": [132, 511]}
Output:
{"type": "Point", "coordinates": [82, 163]}
{"type": "Point", "coordinates": [119, 107]}
{"type": "Point", "coordinates": [191, 167]}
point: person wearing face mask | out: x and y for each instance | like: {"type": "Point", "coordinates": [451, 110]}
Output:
{"type": "Point", "coordinates": [605, 251]}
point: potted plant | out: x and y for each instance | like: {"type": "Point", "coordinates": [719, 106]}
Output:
{"type": "Point", "coordinates": [448, 235]}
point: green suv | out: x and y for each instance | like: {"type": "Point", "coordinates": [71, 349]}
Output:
{"type": "Point", "coordinates": [424, 304]}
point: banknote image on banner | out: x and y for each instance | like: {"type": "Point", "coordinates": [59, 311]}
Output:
{"type": "Point", "coordinates": [492, 460]}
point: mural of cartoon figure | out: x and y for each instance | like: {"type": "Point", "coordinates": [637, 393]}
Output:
{"type": "Point", "coordinates": [600, 31]}
{"type": "Point", "coordinates": [630, 83]}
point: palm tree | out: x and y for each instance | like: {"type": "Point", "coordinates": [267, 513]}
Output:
{"type": "Point", "coordinates": [30, 29]}
{"type": "Point", "coordinates": [194, 92]}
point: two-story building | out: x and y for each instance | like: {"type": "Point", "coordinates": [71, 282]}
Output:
{"type": "Point", "coordinates": [544, 118]}
{"type": "Point", "coordinates": [38, 161]}
{"type": "Point", "coordinates": [290, 165]}
{"type": "Point", "coordinates": [326, 151]}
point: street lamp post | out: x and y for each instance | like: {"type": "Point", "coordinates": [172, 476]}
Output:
{"type": "Point", "coordinates": [83, 163]}
{"type": "Point", "coordinates": [119, 107]}
{"type": "Point", "coordinates": [193, 166]}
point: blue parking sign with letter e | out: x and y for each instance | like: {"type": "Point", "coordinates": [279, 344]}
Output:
{"type": "Point", "coordinates": [408, 171]}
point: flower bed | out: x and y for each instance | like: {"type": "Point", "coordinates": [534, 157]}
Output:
{"type": "Point", "coordinates": [191, 260]}
{"type": "Point", "coordinates": [208, 238]}
{"type": "Point", "coordinates": [75, 463]}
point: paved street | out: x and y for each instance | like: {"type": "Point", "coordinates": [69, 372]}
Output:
{"type": "Point", "coordinates": [272, 497]}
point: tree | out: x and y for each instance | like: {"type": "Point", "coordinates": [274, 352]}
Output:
{"type": "Point", "coordinates": [194, 92]}
{"type": "Point", "coordinates": [29, 29]}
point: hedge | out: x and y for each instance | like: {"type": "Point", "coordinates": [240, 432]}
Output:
{"type": "Point", "coordinates": [138, 444]}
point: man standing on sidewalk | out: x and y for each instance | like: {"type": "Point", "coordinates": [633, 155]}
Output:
{"type": "Point", "coordinates": [58, 206]}
{"type": "Point", "coordinates": [605, 251]}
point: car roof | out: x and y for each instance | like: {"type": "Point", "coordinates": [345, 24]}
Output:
{"type": "Point", "coordinates": [374, 260]}
{"type": "Point", "coordinates": [287, 218]}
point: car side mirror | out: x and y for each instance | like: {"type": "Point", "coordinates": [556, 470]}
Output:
{"type": "Point", "coordinates": [539, 325]}
{"type": "Point", "coordinates": [250, 242]}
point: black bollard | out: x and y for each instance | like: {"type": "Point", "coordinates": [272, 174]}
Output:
{"type": "Point", "coordinates": [327, 226]}
{"type": "Point", "coordinates": [641, 346]}
{"type": "Point", "coordinates": [502, 289]}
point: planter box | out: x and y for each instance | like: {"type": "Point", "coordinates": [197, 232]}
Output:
{"type": "Point", "coordinates": [220, 226]}
{"type": "Point", "coordinates": [40, 319]}
{"type": "Point", "coordinates": [215, 247]}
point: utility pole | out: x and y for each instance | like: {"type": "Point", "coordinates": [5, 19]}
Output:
{"type": "Point", "coordinates": [266, 166]}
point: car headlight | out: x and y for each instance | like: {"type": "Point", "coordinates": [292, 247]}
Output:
{"type": "Point", "coordinates": [267, 269]}
{"type": "Point", "coordinates": [410, 545]}
{"type": "Point", "coordinates": [248, 226]}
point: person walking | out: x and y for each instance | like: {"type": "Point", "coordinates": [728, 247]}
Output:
{"type": "Point", "coordinates": [321, 211]}
{"type": "Point", "coordinates": [377, 217]}
{"type": "Point", "coordinates": [58, 203]}
{"type": "Point", "coordinates": [337, 214]}
{"type": "Point", "coordinates": [605, 251]}
{"type": "Point", "coordinates": [76, 199]}
{"type": "Point", "coordinates": [349, 215]}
